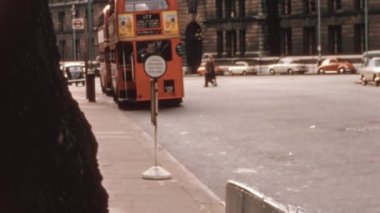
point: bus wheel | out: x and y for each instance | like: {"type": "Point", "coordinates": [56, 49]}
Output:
{"type": "Point", "coordinates": [115, 98]}
{"type": "Point", "coordinates": [177, 102]}
{"type": "Point", "coordinates": [102, 86]}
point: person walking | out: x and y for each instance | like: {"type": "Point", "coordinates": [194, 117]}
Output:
{"type": "Point", "coordinates": [210, 75]}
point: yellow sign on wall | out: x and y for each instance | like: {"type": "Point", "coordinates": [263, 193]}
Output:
{"type": "Point", "coordinates": [170, 21]}
{"type": "Point", "coordinates": [126, 26]}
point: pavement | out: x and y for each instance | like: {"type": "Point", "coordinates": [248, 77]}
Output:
{"type": "Point", "coordinates": [126, 151]}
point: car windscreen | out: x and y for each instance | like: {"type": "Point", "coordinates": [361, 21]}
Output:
{"type": "Point", "coordinates": [74, 68]}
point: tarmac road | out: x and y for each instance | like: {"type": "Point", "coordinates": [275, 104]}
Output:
{"type": "Point", "coordinates": [306, 140]}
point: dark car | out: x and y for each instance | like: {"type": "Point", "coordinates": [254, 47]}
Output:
{"type": "Point", "coordinates": [94, 67]}
{"type": "Point", "coordinates": [74, 73]}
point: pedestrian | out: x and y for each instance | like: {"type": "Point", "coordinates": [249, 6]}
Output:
{"type": "Point", "coordinates": [210, 75]}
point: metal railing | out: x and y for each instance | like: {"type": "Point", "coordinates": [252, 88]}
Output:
{"type": "Point", "coordinates": [243, 199]}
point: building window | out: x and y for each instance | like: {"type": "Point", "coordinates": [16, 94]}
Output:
{"type": "Point", "coordinates": [359, 38]}
{"type": "Point", "coordinates": [242, 42]}
{"type": "Point", "coordinates": [335, 39]}
{"type": "Point", "coordinates": [230, 8]}
{"type": "Point", "coordinates": [219, 43]}
{"type": "Point", "coordinates": [286, 7]}
{"type": "Point", "coordinates": [334, 5]}
{"type": "Point", "coordinates": [286, 41]}
{"type": "Point", "coordinates": [61, 21]}
{"type": "Point", "coordinates": [359, 4]}
{"type": "Point", "coordinates": [231, 44]}
{"type": "Point", "coordinates": [309, 41]}
{"type": "Point", "coordinates": [310, 6]}
{"type": "Point", "coordinates": [242, 8]}
{"type": "Point", "coordinates": [219, 8]}
{"type": "Point", "coordinates": [62, 50]}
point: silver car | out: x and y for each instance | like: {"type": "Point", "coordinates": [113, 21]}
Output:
{"type": "Point", "coordinates": [371, 71]}
{"type": "Point", "coordinates": [287, 66]}
{"type": "Point", "coordinates": [241, 68]}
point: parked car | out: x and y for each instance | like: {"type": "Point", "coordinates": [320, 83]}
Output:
{"type": "Point", "coordinates": [95, 67]}
{"type": "Point", "coordinates": [241, 68]}
{"type": "Point", "coordinates": [335, 65]}
{"type": "Point", "coordinates": [288, 66]}
{"type": "Point", "coordinates": [74, 72]}
{"type": "Point", "coordinates": [218, 69]}
{"type": "Point", "coordinates": [371, 71]}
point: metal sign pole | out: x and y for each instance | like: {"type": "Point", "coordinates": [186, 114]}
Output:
{"type": "Point", "coordinates": [155, 67]}
{"type": "Point", "coordinates": [154, 110]}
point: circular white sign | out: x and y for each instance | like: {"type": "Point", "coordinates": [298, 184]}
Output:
{"type": "Point", "coordinates": [155, 66]}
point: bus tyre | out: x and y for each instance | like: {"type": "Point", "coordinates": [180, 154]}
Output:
{"type": "Point", "coordinates": [102, 86]}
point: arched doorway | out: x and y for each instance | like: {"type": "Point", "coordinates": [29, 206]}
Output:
{"type": "Point", "coordinates": [193, 45]}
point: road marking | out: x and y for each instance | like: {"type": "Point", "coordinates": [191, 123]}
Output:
{"type": "Point", "coordinates": [245, 171]}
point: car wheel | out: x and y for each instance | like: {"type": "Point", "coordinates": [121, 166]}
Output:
{"type": "Point", "coordinates": [341, 70]}
{"type": "Point", "coordinates": [321, 71]}
{"type": "Point", "coordinates": [377, 83]}
{"type": "Point", "coordinates": [230, 73]}
{"type": "Point", "coordinates": [244, 73]}
{"type": "Point", "coordinates": [271, 72]}
{"type": "Point", "coordinates": [364, 82]}
{"type": "Point", "coordinates": [290, 72]}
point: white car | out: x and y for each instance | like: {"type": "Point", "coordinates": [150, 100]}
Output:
{"type": "Point", "coordinates": [287, 66]}
{"type": "Point", "coordinates": [241, 68]}
{"type": "Point", "coordinates": [371, 71]}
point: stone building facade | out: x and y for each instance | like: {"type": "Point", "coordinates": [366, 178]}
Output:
{"type": "Point", "coordinates": [241, 28]}
{"type": "Point", "coordinates": [62, 15]}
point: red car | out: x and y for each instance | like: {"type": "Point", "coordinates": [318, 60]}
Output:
{"type": "Point", "coordinates": [336, 65]}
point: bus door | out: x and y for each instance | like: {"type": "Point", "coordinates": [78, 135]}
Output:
{"type": "Point", "coordinates": [126, 71]}
{"type": "Point", "coordinates": [106, 76]}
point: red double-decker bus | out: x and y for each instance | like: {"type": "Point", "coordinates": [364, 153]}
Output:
{"type": "Point", "coordinates": [131, 31]}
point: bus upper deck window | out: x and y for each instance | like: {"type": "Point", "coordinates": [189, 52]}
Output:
{"type": "Point", "coordinates": [138, 5]}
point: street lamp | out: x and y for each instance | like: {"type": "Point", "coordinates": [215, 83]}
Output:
{"type": "Point", "coordinates": [90, 46]}
{"type": "Point", "coordinates": [319, 33]}
{"type": "Point", "coordinates": [73, 13]}
{"type": "Point", "coordinates": [366, 24]}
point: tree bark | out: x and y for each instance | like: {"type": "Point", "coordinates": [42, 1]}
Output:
{"type": "Point", "coordinates": [47, 149]}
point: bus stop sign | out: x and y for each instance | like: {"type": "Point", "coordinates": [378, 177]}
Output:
{"type": "Point", "coordinates": [78, 24]}
{"type": "Point", "coordinates": [155, 66]}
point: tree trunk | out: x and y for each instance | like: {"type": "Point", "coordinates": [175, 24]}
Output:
{"type": "Point", "coordinates": [47, 149]}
